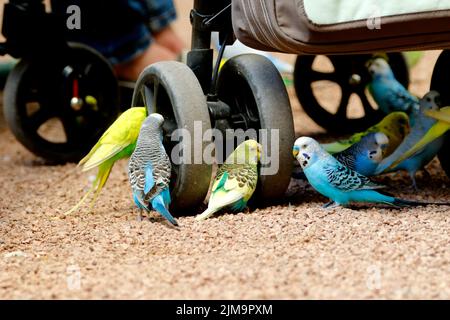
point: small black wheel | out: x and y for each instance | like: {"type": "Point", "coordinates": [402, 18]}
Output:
{"type": "Point", "coordinates": [440, 82]}
{"type": "Point", "coordinates": [254, 90]}
{"type": "Point", "coordinates": [58, 109]}
{"type": "Point", "coordinates": [171, 89]}
{"type": "Point", "coordinates": [349, 72]}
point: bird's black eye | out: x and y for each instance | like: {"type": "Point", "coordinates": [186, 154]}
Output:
{"type": "Point", "coordinates": [304, 146]}
{"type": "Point", "coordinates": [428, 99]}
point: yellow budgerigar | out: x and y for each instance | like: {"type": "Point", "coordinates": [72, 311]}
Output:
{"type": "Point", "coordinates": [436, 131]}
{"type": "Point", "coordinates": [118, 141]}
{"type": "Point", "coordinates": [235, 180]}
{"type": "Point", "coordinates": [395, 126]}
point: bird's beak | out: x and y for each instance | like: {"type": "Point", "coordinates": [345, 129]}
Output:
{"type": "Point", "coordinates": [259, 151]}
{"type": "Point", "coordinates": [442, 115]}
{"type": "Point", "coordinates": [260, 148]}
{"type": "Point", "coordinates": [295, 151]}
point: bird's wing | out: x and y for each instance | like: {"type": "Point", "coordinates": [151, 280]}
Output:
{"type": "Point", "coordinates": [121, 134]}
{"type": "Point", "coordinates": [347, 180]}
{"type": "Point", "coordinates": [225, 180]}
{"type": "Point", "coordinates": [435, 132]}
{"type": "Point", "coordinates": [399, 96]}
{"type": "Point", "coordinates": [102, 153]}
{"type": "Point", "coordinates": [336, 147]}
{"type": "Point", "coordinates": [344, 144]}
{"type": "Point", "coordinates": [417, 132]}
{"type": "Point", "coordinates": [136, 173]}
{"type": "Point", "coordinates": [443, 114]}
{"type": "Point", "coordinates": [149, 180]}
{"type": "Point", "coordinates": [346, 158]}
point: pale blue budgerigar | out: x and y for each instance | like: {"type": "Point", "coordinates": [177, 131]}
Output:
{"type": "Point", "coordinates": [149, 169]}
{"type": "Point", "coordinates": [388, 93]}
{"type": "Point", "coordinates": [365, 155]}
{"type": "Point", "coordinates": [339, 183]}
{"type": "Point", "coordinates": [419, 160]}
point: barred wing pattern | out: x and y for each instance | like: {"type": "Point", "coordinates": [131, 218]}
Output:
{"type": "Point", "coordinates": [157, 157]}
{"type": "Point", "coordinates": [348, 180]}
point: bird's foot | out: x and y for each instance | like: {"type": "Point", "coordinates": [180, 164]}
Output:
{"type": "Point", "coordinates": [140, 217]}
{"type": "Point", "coordinates": [414, 184]}
{"type": "Point", "coordinates": [330, 205]}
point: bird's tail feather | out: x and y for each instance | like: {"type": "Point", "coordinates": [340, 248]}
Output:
{"type": "Point", "coordinates": [97, 185]}
{"type": "Point", "coordinates": [206, 214]}
{"type": "Point", "coordinates": [410, 203]}
{"type": "Point", "coordinates": [102, 177]}
{"type": "Point", "coordinates": [158, 205]}
{"type": "Point", "coordinates": [75, 207]}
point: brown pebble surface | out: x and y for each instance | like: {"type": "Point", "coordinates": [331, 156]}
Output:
{"type": "Point", "coordinates": [292, 251]}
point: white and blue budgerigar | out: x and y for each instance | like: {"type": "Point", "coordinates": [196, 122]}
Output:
{"type": "Point", "coordinates": [337, 182]}
{"type": "Point", "coordinates": [419, 160]}
{"type": "Point", "coordinates": [149, 169]}
{"type": "Point", "coordinates": [362, 157]}
{"type": "Point", "coordinates": [388, 93]}
{"type": "Point", "coordinates": [365, 155]}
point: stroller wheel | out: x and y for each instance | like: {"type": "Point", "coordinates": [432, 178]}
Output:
{"type": "Point", "coordinates": [440, 82]}
{"type": "Point", "coordinates": [171, 89]}
{"type": "Point", "coordinates": [58, 109]}
{"type": "Point", "coordinates": [254, 90]}
{"type": "Point", "coordinates": [349, 74]}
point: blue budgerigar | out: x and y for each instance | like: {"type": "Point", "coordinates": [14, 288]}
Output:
{"type": "Point", "coordinates": [149, 169]}
{"type": "Point", "coordinates": [388, 93]}
{"type": "Point", "coordinates": [419, 160]}
{"type": "Point", "coordinates": [337, 182]}
{"type": "Point", "coordinates": [365, 155]}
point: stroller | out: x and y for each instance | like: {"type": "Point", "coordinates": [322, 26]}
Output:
{"type": "Point", "coordinates": [247, 92]}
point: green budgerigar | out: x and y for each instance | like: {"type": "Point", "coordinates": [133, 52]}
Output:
{"type": "Point", "coordinates": [395, 126]}
{"type": "Point", "coordinates": [235, 180]}
{"type": "Point", "coordinates": [118, 142]}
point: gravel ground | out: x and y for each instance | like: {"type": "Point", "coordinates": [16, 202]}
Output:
{"type": "Point", "coordinates": [296, 250]}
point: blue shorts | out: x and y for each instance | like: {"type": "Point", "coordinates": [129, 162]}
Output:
{"type": "Point", "coordinates": [121, 29]}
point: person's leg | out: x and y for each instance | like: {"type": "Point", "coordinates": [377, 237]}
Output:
{"type": "Point", "coordinates": [169, 39]}
{"type": "Point", "coordinates": [155, 52]}
{"type": "Point", "coordinates": [161, 15]}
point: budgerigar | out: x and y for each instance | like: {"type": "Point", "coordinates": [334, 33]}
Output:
{"type": "Point", "coordinates": [337, 182]}
{"type": "Point", "coordinates": [423, 123]}
{"type": "Point", "coordinates": [235, 180]}
{"type": "Point", "coordinates": [365, 155]}
{"type": "Point", "coordinates": [435, 132]}
{"type": "Point", "coordinates": [388, 93]}
{"type": "Point", "coordinates": [395, 126]}
{"type": "Point", "coordinates": [149, 169]}
{"type": "Point", "coordinates": [118, 142]}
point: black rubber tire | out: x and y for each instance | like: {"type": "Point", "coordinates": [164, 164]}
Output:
{"type": "Point", "coordinates": [180, 99]}
{"type": "Point", "coordinates": [440, 82]}
{"type": "Point", "coordinates": [345, 66]}
{"type": "Point", "coordinates": [251, 83]}
{"type": "Point", "coordinates": [44, 84]}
